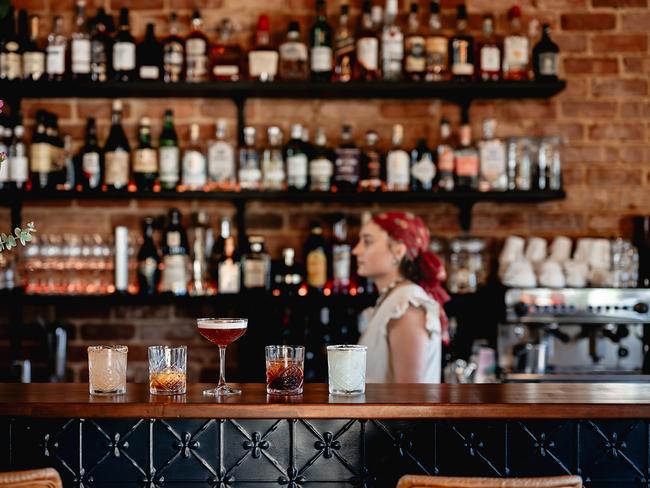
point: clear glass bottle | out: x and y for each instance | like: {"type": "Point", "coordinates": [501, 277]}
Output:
{"type": "Point", "coordinates": [489, 52]}
{"type": "Point", "coordinates": [263, 58]}
{"type": "Point", "coordinates": [18, 163]}
{"type": "Point", "coordinates": [341, 258]}
{"type": "Point", "coordinates": [321, 167]}
{"type": "Point", "coordinates": [200, 283]}
{"type": "Point", "coordinates": [445, 158]}
{"type": "Point", "coordinates": [437, 46]}
{"type": "Point", "coordinates": [274, 175]}
{"type": "Point", "coordinates": [295, 154]}
{"type": "Point", "coordinates": [225, 54]}
{"type": "Point", "coordinates": [256, 265]}
{"type": "Point", "coordinates": [173, 53]}
{"type": "Point", "coordinates": [196, 51]}
{"type": "Point", "coordinates": [423, 169]}
{"type": "Point", "coordinates": [346, 165]}
{"type": "Point", "coordinates": [415, 61]}
{"type": "Point", "coordinates": [222, 174]}
{"type": "Point", "coordinates": [492, 155]}
{"type": "Point", "coordinates": [398, 162]}
{"type": "Point", "coordinates": [515, 48]}
{"type": "Point", "coordinates": [367, 49]}
{"type": "Point", "coordinates": [194, 162]}
{"type": "Point", "coordinates": [250, 174]}
{"type": "Point", "coordinates": [294, 63]}
{"type": "Point", "coordinates": [344, 52]}
{"type": "Point", "coordinates": [80, 45]}
{"type": "Point", "coordinates": [225, 261]}
{"type": "Point", "coordinates": [466, 160]}
{"type": "Point", "coordinates": [392, 44]}
{"type": "Point", "coordinates": [55, 62]}
{"type": "Point", "coordinates": [176, 258]}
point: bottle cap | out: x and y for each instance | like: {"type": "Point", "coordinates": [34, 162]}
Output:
{"type": "Point", "coordinates": [514, 12]}
{"type": "Point", "coordinates": [263, 22]}
{"type": "Point", "coordinates": [294, 26]}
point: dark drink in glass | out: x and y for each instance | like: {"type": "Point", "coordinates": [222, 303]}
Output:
{"type": "Point", "coordinates": [285, 367]}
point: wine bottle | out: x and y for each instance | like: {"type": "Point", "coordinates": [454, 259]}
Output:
{"type": "Point", "coordinates": [5, 142]}
{"type": "Point", "coordinates": [124, 50]}
{"type": "Point", "coordinates": [316, 258]}
{"type": "Point", "coordinates": [148, 261]}
{"type": "Point", "coordinates": [91, 160]}
{"type": "Point", "coordinates": [55, 61]}
{"type": "Point", "coordinates": [145, 162]}
{"type": "Point", "coordinates": [40, 158]}
{"type": "Point", "coordinates": [80, 45]}
{"type": "Point", "coordinates": [196, 51]}
{"type": "Point", "coordinates": [33, 53]}
{"type": "Point", "coordinates": [116, 153]}
{"type": "Point", "coordinates": [149, 56]}
{"type": "Point", "coordinates": [10, 57]}
{"type": "Point", "coordinates": [295, 154]}
{"type": "Point", "coordinates": [341, 258]}
{"type": "Point", "coordinates": [18, 162]}
{"type": "Point", "coordinates": [225, 264]}
{"type": "Point", "coordinates": [169, 154]}
{"type": "Point", "coordinates": [175, 251]}
{"type": "Point", "coordinates": [320, 37]}
{"type": "Point", "coordinates": [101, 47]}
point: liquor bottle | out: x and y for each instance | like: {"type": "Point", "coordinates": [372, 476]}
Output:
{"type": "Point", "coordinates": [225, 54]}
{"type": "Point", "coordinates": [321, 167]}
{"type": "Point", "coordinates": [466, 160]}
{"type": "Point", "coordinates": [222, 172]}
{"type": "Point", "coordinates": [80, 45]}
{"type": "Point", "coordinates": [10, 54]}
{"type": "Point", "coordinates": [341, 258]}
{"type": "Point", "coordinates": [55, 62]}
{"type": "Point", "coordinates": [392, 44]}
{"type": "Point", "coordinates": [101, 47]}
{"type": "Point", "coordinates": [367, 49]}
{"type": "Point", "coordinates": [256, 264]}
{"type": "Point", "coordinates": [295, 154]}
{"type": "Point", "coordinates": [196, 51]}
{"type": "Point", "coordinates": [117, 153]}
{"type": "Point", "coordinates": [372, 167]}
{"type": "Point", "coordinates": [316, 259]}
{"type": "Point", "coordinates": [445, 157]}
{"type": "Point", "coordinates": [346, 165]}
{"type": "Point", "coordinates": [124, 66]}
{"type": "Point", "coordinates": [492, 157]}
{"type": "Point", "coordinates": [415, 60]}
{"type": "Point", "coordinates": [225, 262]}
{"type": "Point", "coordinates": [545, 56]}
{"type": "Point", "coordinates": [173, 53]}
{"type": "Point", "coordinates": [398, 163]}
{"type": "Point", "coordinates": [344, 48]}
{"type": "Point", "coordinates": [148, 261]}
{"type": "Point", "coordinates": [320, 38]}
{"type": "Point", "coordinates": [5, 142]}
{"type": "Point", "coordinates": [294, 64]}
{"type": "Point", "coordinates": [423, 169]}
{"type": "Point", "coordinates": [40, 156]}
{"type": "Point", "coordinates": [250, 174]}
{"type": "Point", "coordinates": [18, 163]}
{"type": "Point", "coordinates": [145, 160]}
{"type": "Point", "coordinates": [262, 59]}
{"type": "Point", "coordinates": [58, 171]}
{"type": "Point", "coordinates": [200, 284]}
{"type": "Point", "coordinates": [70, 178]}
{"type": "Point", "coordinates": [489, 52]}
{"type": "Point", "coordinates": [273, 172]}
{"type": "Point", "coordinates": [515, 48]}
{"type": "Point", "coordinates": [169, 155]}
{"type": "Point", "coordinates": [33, 53]}
{"type": "Point", "coordinates": [91, 160]}
{"type": "Point", "coordinates": [437, 46]}
{"type": "Point", "coordinates": [194, 162]}
{"type": "Point", "coordinates": [149, 56]}
{"type": "Point", "coordinates": [175, 252]}
{"type": "Point", "coordinates": [287, 275]}
{"type": "Point", "coordinates": [461, 48]}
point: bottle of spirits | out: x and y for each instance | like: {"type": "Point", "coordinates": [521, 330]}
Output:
{"type": "Point", "coordinates": [262, 59]}
{"type": "Point", "coordinates": [225, 54]}
{"type": "Point", "coordinates": [372, 167]}
{"type": "Point", "coordinates": [316, 259]}
{"type": "Point", "coordinates": [33, 53]}
{"type": "Point", "coordinates": [437, 46]}
{"type": "Point", "coordinates": [341, 258]}
{"type": "Point", "coordinates": [346, 165]}
{"type": "Point", "coordinates": [169, 154]}
{"type": "Point", "coordinates": [175, 251]}
{"type": "Point", "coordinates": [145, 161]}
{"type": "Point", "coordinates": [225, 261]}
{"type": "Point", "coordinates": [150, 56]}
{"type": "Point", "coordinates": [222, 173]}
{"type": "Point", "coordinates": [392, 44]}
{"type": "Point", "coordinates": [466, 160]}
{"type": "Point", "coordinates": [101, 47]}
{"type": "Point", "coordinates": [344, 48]}
{"type": "Point", "coordinates": [58, 169]}
{"type": "Point", "coordinates": [80, 45]}
{"type": "Point", "coordinates": [461, 48]}
{"type": "Point", "coordinates": [295, 154]}
{"type": "Point", "coordinates": [124, 50]}
{"type": "Point", "coordinates": [294, 63]}
{"type": "Point", "coordinates": [256, 265]}
{"type": "Point", "coordinates": [320, 37]}
{"type": "Point", "coordinates": [18, 163]}
{"type": "Point", "coordinates": [250, 175]}
{"type": "Point", "coordinates": [274, 175]}
{"type": "Point", "coordinates": [445, 157]}
{"type": "Point", "coordinates": [367, 49]}
{"type": "Point", "coordinates": [200, 283]}
{"type": "Point", "coordinates": [5, 177]}
{"type": "Point", "coordinates": [40, 156]}
{"type": "Point", "coordinates": [398, 163]}
{"type": "Point", "coordinates": [10, 55]}
{"type": "Point", "coordinates": [415, 61]}
{"type": "Point", "coordinates": [70, 182]}
{"type": "Point", "coordinates": [423, 168]}
{"type": "Point", "coordinates": [116, 153]}
{"type": "Point", "coordinates": [492, 157]}
{"type": "Point", "coordinates": [489, 52]}
{"type": "Point", "coordinates": [55, 62]}
{"type": "Point", "coordinates": [194, 162]}
{"type": "Point", "coordinates": [515, 48]}
{"type": "Point", "coordinates": [287, 277]}
{"type": "Point", "coordinates": [148, 261]}
{"type": "Point", "coordinates": [545, 56]}
{"type": "Point", "coordinates": [91, 160]}
{"type": "Point", "coordinates": [173, 53]}
{"type": "Point", "coordinates": [321, 167]}
{"type": "Point", "coordinates": [196, 51]}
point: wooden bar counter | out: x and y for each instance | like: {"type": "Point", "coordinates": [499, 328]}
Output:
{"type": "Point", "coordinates": [599, 431]}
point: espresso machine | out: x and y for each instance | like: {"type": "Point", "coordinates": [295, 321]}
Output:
{"type": "Point", "coordinates": [575, 335]}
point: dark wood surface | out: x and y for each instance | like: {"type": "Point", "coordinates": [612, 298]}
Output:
{"type": "Point", "coordinates": [571, 401]}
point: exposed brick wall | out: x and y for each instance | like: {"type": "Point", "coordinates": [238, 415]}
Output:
{"type": "Point", "coordinates": [604, 114]}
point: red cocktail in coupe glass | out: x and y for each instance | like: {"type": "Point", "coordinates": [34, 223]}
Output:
{"type": "Point", "coordinates": [222, 332]}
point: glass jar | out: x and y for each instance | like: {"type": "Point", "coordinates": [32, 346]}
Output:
{"type": "Point", "coordinates": [467, 265]}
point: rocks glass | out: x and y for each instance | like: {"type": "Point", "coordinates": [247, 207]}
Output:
{"type": "Point", "coordinates": [285, 367]}
{"type": "Point", "coordinates": [107, 370]}
{"type": "Point", "coordinates": [346, 369]}
{"type": "Point", "coordinates": [167, 370]}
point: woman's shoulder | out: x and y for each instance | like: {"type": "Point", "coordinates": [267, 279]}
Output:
{"type": "Point", "coordinates": [406, 295]}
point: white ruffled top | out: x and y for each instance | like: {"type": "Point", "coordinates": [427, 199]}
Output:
{"type": "Point", "coordinates": [373, 325]}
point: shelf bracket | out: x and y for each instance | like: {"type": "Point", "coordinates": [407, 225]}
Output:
{"type": "Point", "coordinates": [240, 103]}
{"type": "Point", "coordinates": [465, 215]}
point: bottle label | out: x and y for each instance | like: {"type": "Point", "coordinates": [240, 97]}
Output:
{"type": "Point", "coordinates": [194, 168]}
{"type": "Point", "coordinates": [12, 62]}
{"type": "Point", "coordinates": [424, 170]}
{"type": "Point", "coordinates": [341, 262]}
{"type": "Point", "coordinates": [149, 72]}
{"type": "Point", "coordinates": [173, 60]}
{"type": "Point", "coordinates": [33, 65]}
{"type": "Point", "coordinates": [226, 71]}
{"type": "Point", "coordinates": [175, 273]}
{"type": "Point", "coordinates": [124, 56]}
{"type": "Point", "coordinates": [117, 168]}
{"type": "Point", "coordinates": [255, 273]}
{"type": "Point", "coordinates": [80, 56]}
{"type": "Point", "coordinates": [548, 64]}
{"type": "Point", "coordinates": [461, 55]}
{"type": "Point", "coordinates": [515, 53]}
{"type": "Point", "coordinates": [490, 58]}
{"type": "Point", "coordinates": [169, 164]}
{"type": "Point", "coordinates": [347, 165]}
{"type": "Point", "coordinates": [90, 163]}
{"type": "Point", "coordinates": [293, 51]}
{"type": "Point", "coordinates": [392, 53]}
{"type": "Point", "coordinates": [56, 59]}
{"type": "Point", "coordinates": [221, 162]}
{"type": "Point", "coordinates": [4, 167]}
{"type": "Point", "coordinates": [263, 64]}
{"type": "Point", "coordinates": [173, 239]}
{"type": "Point", "coordinates": [41, 158]}
{"type": "Point", "coordinates": [467, 165]}
{"type": "Point", "coordinates": [229, 277]}
{"type": "Point", "coordinates": [273, 166]}
{"type": "Point", "coordinates": [297, 171]}
{"type": "Point", "coordinates": [415, 59]}
{"type": "Point", "coordinates": [368, 53]}
{"type": "Point", "coordinates": [445, 158]}
{"type": "Point", "coordinates": [145, 161]}
{"type": "Point", "coordinates": [249, 178]}
{"type": "Point", "coordinates": [197, 60]}
{"type": "Point", "coordinates": [316, 268]}
{"type": "Point", "coordinates": [321, 59]}
{"type": "Point", "coordinates": [147, 270]}
{"type": "Point", "coordinates": [397, 166]}
{"type": "Point", "coordinates": [98, 64]}
{"type": "Point", "coordinates": [493, 160]}
{"type": "Point", "coordinates": [321, 170]}
{"type": "Point", "coordinates": [436, 48]}
{"type": "Point", "coordinates": [19, 168]}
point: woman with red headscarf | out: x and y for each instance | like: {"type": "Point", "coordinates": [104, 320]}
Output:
{"type": "Point", "coordinates": [405, 329]}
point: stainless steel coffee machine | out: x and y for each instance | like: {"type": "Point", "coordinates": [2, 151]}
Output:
{"type": "Point", "coordinates": [592, 334]}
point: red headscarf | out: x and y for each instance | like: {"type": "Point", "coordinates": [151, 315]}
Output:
{"type": "Point", "coordinates": [409, 229]}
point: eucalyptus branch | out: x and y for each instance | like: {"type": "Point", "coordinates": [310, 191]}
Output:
{"type": "Point", "coordinates": [21, 235]}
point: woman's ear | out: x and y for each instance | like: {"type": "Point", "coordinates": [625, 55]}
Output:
{"type": "Point", "coordinates": [399, 250]}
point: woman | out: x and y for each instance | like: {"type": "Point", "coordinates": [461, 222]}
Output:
{"type": "Point", "coordinates": [404, 331]}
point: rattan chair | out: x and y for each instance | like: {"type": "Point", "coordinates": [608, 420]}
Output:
{"type": "Point", "coordinates": [34, 478]}
{"type": "Point", "coordinates": [410, 481]}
